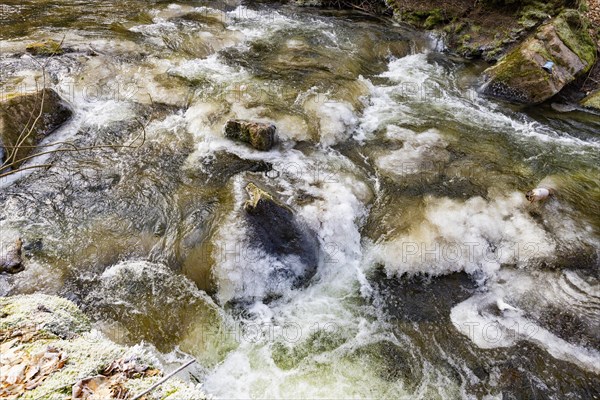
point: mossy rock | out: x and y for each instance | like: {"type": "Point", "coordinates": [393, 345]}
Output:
{"type": "Point", "coordinates": [27, 118]}
{"type": "Point", "coordinates": [55, 315]}
{"type": "Point", "coordinates": [259, 135]}
{"type": "Point", "coordinates": [46, 48]}
{"type": "Point", "coordinates": [433, 19]}
{"type": "Point", "coordinates": [592, 100]}
{"type": "Point", "coordinates": [427, 19]}
{"type": "Point", "coordinates": [519, 76]}
{"type": "Point", "coordinates": [40, 321]}
{"type": "Point", "coordinates": [572, 28]}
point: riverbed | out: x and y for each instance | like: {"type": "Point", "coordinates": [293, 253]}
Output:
{"type": "Point", "coordinates": [436, 278]}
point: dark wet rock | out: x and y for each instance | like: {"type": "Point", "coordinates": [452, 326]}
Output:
{"type": "Point", "coordinates": [422, 298]}
{"type": "Point", "coordinates": [259, 135]}
{"type": "Point", "coordinates": [19, 112]}
{"type": "Point", "coordinates": [418, 309]}
{"type": "Point", "coordinates": [563, 107]}
{"type": "Point", "coordinates": [519, 76]}
{"type": "Point", "coordinates": [304, 198]}
{"type": "Point", "coordinates": [573, 327]}
{"type": "Point", "coordinates": [11, 260]}
{"type": "Point", "coordinates": [529, 372]}
{"type": "Point", "coordinates": [275, 228]}
{"type": "Point", "coordinates": [220, 167]}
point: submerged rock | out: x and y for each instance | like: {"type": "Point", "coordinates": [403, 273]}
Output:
{"type": "Point", "coordinates": [259, 135]}
{"type": "Point", "coordinates": [520, 76]}
{"type": "Point", "coordinates": [19, 114]}
{"type": "Point", "coordinates": [148, 301]}
{"type": "Point", "coordinates": [276, 230]}
{"type": "Point", "coordinates": [224, 165]}
{"type": "Point", "coordinates": [10, 257]}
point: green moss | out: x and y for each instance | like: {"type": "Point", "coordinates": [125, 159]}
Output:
{"type": "Point", "coordinates": [52, 314]}
{"type": "Point", "coordinates": [428, 19]}
{"type": "Point", "coordinates": [592, 100]}
{"type": "Point", "coordinates": [47, 47]}
{"type": "Point", "coordinates": [88, 352]}
{"type": "Point", "coordinates": [535, 13]}
{"type": "Point", "coordinates": [455, 27]}
{"type": "Point", "coordinates": [572, 28]}
{"type": "Point", "coordinates": [433, 19]}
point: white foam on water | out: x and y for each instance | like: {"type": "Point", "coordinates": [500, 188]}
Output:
{"type": "Point", "coordinates": [260, 23]}
{"type": "Point", "coordinates": [107, 112]}
{"type": "Point", "coordinates": [211, 68]}
{"type": "Point", "coordinates": [382, 110]}
{"type": "Point", "coordinates": [419, 151]}
{"type": "Point", "coordinates": [475, 236]}
{"type": "Point", "coordinates": [413, 69]}
{"type": "Point", "coordinates": [335, 214]}
{"type": "Point", "coordinates": [490, 322]}
{"type": "Point", "coordinates": [416, 80]}
{"type": "Point", "coordinates": [159, 27]}
{"type": "Point", "coordinates": [336, 120]}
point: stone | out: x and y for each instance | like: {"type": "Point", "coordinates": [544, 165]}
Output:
{"type": "Point", "coordinates": [538, 194]}
{"type": "Point", "coordinates": [11, 257]}
{"type": "Point", "coordinates": [19, 113]}
{"type": "Point", "coordinates": [224, 165]}
{"type": "Point", "coordinates": [259, 135]}
{"type": "Point", "coordinates": [592, 100]}
{"type": "Point", "coordinates": [275, 228]}
{"type": "Point", "coordinates": [520, 76]}
{"type": "Point", "coordinates": [67, 331]}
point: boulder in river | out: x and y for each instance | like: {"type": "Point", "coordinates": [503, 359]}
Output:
{"type": "Point", "coordinates": [275, 228]}
{"type": "Point", "coordinates": [19, 114]}
{"type": "Point", "coordinates": [223, 165]}
{"type": "Point", "coordinates": [259, 135]}
{"type": "Point", "coordinates": [520, 76]}
{"type": "Point", "coordinates": [10, 257]}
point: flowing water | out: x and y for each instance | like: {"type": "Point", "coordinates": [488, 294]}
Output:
{"type": "Point", "coordinates": [436, 279]}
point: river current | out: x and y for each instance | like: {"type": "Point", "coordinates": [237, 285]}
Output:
{"type": "Point", "coordinates": [436, 278]}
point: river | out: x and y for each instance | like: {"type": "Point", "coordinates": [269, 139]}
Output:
{"type": "Point", "coordinates": [436, 279]}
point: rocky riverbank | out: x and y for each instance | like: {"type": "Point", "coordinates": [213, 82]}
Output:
{"type": "Point", "coordinates": [520, 37]}
{"type": "Point", "coordinates": [50, 351]}
{"type": "Point", "coordinates": [517, 38]}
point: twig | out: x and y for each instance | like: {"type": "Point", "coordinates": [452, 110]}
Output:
{"type": "Point", "coordinates": [12, 161]}
{"type": "Point", "coordinates": [21, 139]}
{"type": "Point", "coordinates": [14, 171]}
{"type": "Point", "coordinates": [163, 380]}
